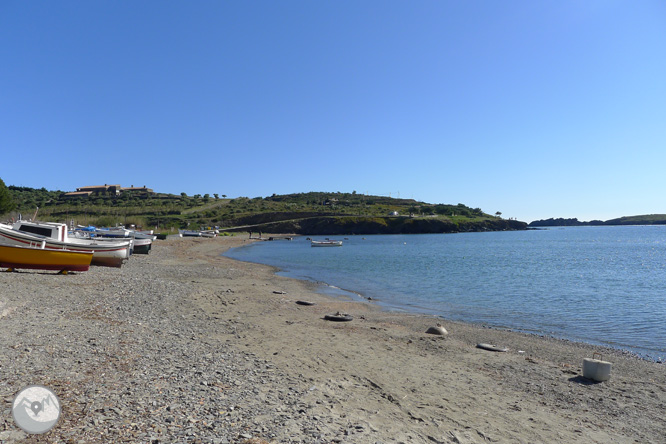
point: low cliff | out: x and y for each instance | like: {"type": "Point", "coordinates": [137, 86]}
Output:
{"type": "Point", "coordinates": [330, 225]}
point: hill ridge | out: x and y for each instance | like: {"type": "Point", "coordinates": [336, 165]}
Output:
{"type": "Point", "coordinates": [305, 213]}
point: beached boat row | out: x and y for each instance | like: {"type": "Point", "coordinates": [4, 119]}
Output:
{"type": "Point", "coordinates": [141, 240]}
{"type": "Point", "coordinates": [51, 246]}
{"type": "Point", "coordinates": [211, 232]}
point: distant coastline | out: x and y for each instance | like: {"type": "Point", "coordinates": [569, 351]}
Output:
{"type": "Point", "coordinates": [649, 219]}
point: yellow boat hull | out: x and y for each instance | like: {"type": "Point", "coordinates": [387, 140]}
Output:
{"type": "Point", "coordinates": [14, 256]}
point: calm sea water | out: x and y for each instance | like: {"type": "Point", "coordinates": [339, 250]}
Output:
{"type": "Point", "coordinates": [601, 285]}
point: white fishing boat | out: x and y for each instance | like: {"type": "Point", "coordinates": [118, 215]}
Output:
{"type": "Point", "coordinates": [114, 232]}
{"type": "Point", "coordinates": [326, 243]}
{"type": "Point", "coordinates": [141, 242]}
{"type": "Point", "coordinates": [144, 235]}
{"type": "Point", "coordinates": [111, 253]}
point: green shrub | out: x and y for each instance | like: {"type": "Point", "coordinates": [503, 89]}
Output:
{"type": "Point", "coordinates": [105, 221]}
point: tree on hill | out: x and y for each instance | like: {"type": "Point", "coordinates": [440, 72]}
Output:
{"type": "Point", "coordinates": [6, 202]}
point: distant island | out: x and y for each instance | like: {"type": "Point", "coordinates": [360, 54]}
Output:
{"type": "Point", "coordinates": [648, 219]}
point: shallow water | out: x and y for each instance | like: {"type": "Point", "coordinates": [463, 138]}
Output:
{"type": "Point", "coordinates": [602, 285]}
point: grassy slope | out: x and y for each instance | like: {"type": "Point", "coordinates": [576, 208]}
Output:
{"type": "Point", "coordinates": [175, 211]}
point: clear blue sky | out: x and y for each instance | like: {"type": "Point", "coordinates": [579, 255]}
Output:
{"type": "Point", "coordinates": [536, 109]}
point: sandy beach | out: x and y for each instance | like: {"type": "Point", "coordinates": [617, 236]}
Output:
{"type": "Point", "coordinates": [184, 345]}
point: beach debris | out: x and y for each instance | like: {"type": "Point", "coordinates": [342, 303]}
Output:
{"type": "Point", "coordinates": [279, 292]}
{"type": "Point", "coordinates": [339, 317]}
{"type": "Point", "coordinates": [596, 369]}
{"type": "Point", "coordinates": [305, 303]}
{"type": "Point", "coordinates": [437, 330]}
{"type": "Point", "coordinates": [491, 347]}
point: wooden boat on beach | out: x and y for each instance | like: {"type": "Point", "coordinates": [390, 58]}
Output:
{"type": "Point", "coordinates": [40, 258]}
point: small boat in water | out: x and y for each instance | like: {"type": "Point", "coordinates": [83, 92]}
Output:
{"type": "Point", "coordinates": [37, 257]}
{"type": "Point", "coordinates": [326, 243]}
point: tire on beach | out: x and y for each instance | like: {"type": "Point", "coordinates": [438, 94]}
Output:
{"type": "Point", "coordinates": [339, 317]}
{"type": "Point", "coordinates": [305, 303]}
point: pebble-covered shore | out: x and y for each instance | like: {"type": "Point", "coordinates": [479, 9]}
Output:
{"type": "Point", "coordinates": [132, 360]}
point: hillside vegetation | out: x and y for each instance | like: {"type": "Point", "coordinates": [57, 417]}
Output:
{"type": "Point", "coordinates": [307, 213]}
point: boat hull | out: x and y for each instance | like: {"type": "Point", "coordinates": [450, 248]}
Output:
{"type": "Point", "coordinates": [14, 256]}
{"type": "Point", "coordinates": [142, 246]}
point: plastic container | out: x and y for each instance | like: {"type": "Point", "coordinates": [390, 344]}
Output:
{"type": "Point", "coordinates": [596, 369]}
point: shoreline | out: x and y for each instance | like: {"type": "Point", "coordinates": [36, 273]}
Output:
{"type": "Point", "coordinates": [187, 345]}
{"type": "Point", "coordinates": [405, 309]}
{"type": "Point", "coordinates": [564, 355]}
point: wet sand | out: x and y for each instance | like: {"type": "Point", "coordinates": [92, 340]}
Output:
{"type": "Point", "coordinates": [382, 370]}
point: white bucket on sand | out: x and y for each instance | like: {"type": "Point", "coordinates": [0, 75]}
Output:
{"type": "Point", "coordinates": [596, 369]}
